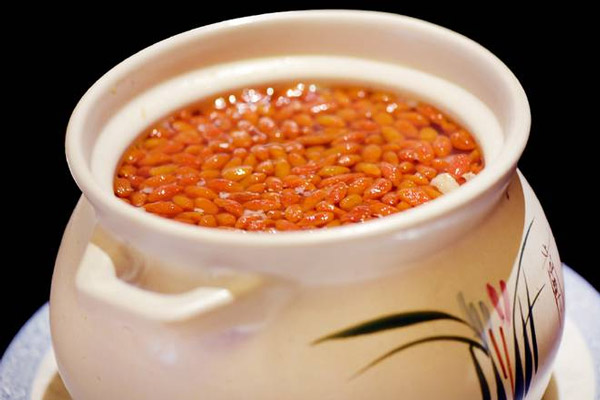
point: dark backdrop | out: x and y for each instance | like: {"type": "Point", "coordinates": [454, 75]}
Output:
{"type": "Point", "coordinates": [54, 55]}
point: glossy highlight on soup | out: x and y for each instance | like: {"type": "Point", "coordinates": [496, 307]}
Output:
{"type": "Point", "coordinates": [296, 156]}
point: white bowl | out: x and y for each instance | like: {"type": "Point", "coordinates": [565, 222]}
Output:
{"type": "Point", "coordinates": [450, 70]}
{"type": "Point", "coordinates": [379, 267]}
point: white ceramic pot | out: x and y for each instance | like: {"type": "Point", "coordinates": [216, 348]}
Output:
{"type": "Point", "coordinates": [460, 298]}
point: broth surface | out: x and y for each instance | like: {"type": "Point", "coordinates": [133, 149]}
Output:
{"type": "Point", "coordinates": [296, 156]}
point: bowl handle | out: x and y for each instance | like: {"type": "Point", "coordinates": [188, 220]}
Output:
{"type": "Point", "coordinates": [97, 280]}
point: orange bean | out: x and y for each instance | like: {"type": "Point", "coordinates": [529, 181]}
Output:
{"type": "Point", "coordinates": [165, 192]}
{"type": "Point", "coordinates": [337, 192]}
{"type": "Point", "coordinates": [179, 218]}
{"type": "Point", "coordinates": [261, 205]}
{"type": "Point", "coordinates": [171, 147]}
{"type": "Point", "coordinates": [224, 185]}
{"type": "Point", "coordinates": [266, 167]}
{"type": "Point", "coordinates": [274, 184]}
{"type": "Point", "coordinates": [190, 216]}
{"type": "Point", "coordinates": [462, 140]}
{"type": "Point", "coordinates": [372, 153]}
{"type": "Point", "coordinates": [210, 174]}
{"type": "Point", "coordinates": [416, 119]}
{"type": "Point", "coordinates": [241, 138]}
{"type": "Point", "coordinates": [406, 167]}
{"type": "Point", "coordinates": [318, 218]}
{"type": "Point", "coordinates": [391, 157]}
{"type": "Point", "coordinates": [276, 152]}
{"type": "Point", "coordinates": [289, 197]}
{"type": "Point", "coordinates": [368, 168]}
{"type": "Point", "coordinates": [226, 219]}
{"type": "Point", "coordinates": [442, 146]}
{"type": "Point", "coordinates": [123, 187]}
{"type": "Point", "coordinates": [348, 160]}
{"type": "Point", "coordinates": [242, 197]}
{"type": "Point", "coordinates": [293, 157]}
{"type": "Point", "coordinates": [284, 225]}
{"type": "Point", "coordinates": [431, 191]}
{"type": "Point", "coordinates": [136, 181]}
{"type": "Point", "coordinates": [166, 208]}
{"type": "Point", "coordinates": [205, 206]}
{"type": "Point", "coordinates": [250, 160]}
{"type": "Point", "coordinates": [231, 206]}
{"type": "Point", "coordinates": [274, 214]}
{"type": "Point", "coordinates": [331, 121]}
{"type": "Point", "coordinates": [133, 155]}
{"type": "Point", "coordinates": [290, 129]}
{"type": "Point", "coordinates": [303, 120]}
{"type": "Point", "coordinates": [138, 199]}
{"type": "Point", "coordinates": [208, 221]}
{"type": "Point", "coordinates": [184, 202]}
{"type": "Point", "coordinates": [282, 168]}
{"type": "Point", "coordinates": [381, 210]}
{"type": "Point", "coordinates": [414, 196]}
{"type": "Point", "coordinates": [350, 201]}
{"type": "Point", "coordinates": [152, 159]}
{"type": "Point", "coordinates": [406, 128]}
{"type": "Point", "coordinates": [126, 171]}
{"type": "Point", "coordinates": [257, 188]}
{"type": "Point", "coordinates": [359, 185]}
{"type": "Point", "coordinates": [216, 161]}
{"type": "Point", "coordinates": [186, 159]}
{"type": "Point", "coordinates": [332, 170]}
{"type": "Point", "coordinates": [428, 134]}
{"type": "Point", "coordinates": [237, 173]}
{"type": "Point", "coordinates": [475, 155]}
{"type": "Point", "coordinates": [232, 163]}
{"type": "Point", "coordinates": [296, 160]}
{"type": "Point", "coordinates": [391, 198]}
{"type": "Point", "coordinates": [383, 118]}
{"type": "Point", "coordinates": [312, 199]}
{"type": "Point", "coordinates": [427, 172]}
{"type": "Point", "coordinates": [200, 191]}
{"type": "Point", "coordinates": [359, 213]}
{"type": "Point", "coordinates": [406, 183]}
{"type": "Point", "coordinates": [154, 142]}
{"type": "Point", "coordinates": [346, 178]}
{"type": "Point", "coordinates": [378, 189]}
{"type": "Point", "coordinates": [294, 213]}
{"type": "Point", "coordinates": [257, 177]}
{"type": "Point", "coordinates": [292, 181]}
{"type": "Point", "coordinates": [439, 165]}
{"type": "Point", "coordinates": [458, 165]}
{"type": "Point", "coordinates": [391, 172]}
{"type": "Point", "coordinates": [419, 179]}
{"type": "Point", "coordinates": [391, 134]}
{"type": "Point", "coordinates": [403, 206]}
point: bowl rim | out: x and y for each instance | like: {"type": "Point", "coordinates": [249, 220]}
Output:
{"type": "Point", "coordinates": [493, 173]}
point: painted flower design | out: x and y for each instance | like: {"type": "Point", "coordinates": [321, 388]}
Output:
{"type": "Point", "coordinates": [510, 320]}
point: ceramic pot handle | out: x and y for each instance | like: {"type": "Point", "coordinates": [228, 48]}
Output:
{"type": "Point", "coordinates": [97, 280]}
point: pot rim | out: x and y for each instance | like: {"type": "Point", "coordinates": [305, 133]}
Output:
{"type": "Point", "coordinates": [493, 174]}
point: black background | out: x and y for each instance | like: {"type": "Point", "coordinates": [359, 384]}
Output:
{"type": "Point", "coordinates": [55, 55]}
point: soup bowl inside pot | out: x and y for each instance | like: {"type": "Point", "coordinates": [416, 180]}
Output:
{"type": "Point", "coordinates": [316, 314]}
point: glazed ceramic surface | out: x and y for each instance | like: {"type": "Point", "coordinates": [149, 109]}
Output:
{"type": "Point", "coordinates": [460, 298]}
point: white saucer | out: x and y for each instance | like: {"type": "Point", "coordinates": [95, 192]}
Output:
{"type": "Point", "coordinates": [28, 368]}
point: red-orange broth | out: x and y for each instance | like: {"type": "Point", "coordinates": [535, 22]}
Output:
{"type": "Point", "coordinates": [295, 156]}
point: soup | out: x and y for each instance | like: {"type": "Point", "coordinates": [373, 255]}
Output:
{"type": "Point", "coordinates": [296, 156]}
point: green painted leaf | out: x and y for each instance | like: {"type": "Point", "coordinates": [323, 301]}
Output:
{"type": "Point", "coordinates": [500, 392]}
{"type": "Point", "coordinates": [483, 384]}
{"type": "Point", "coordinates": [393, 321]}
{"type": "Point", "coordinates": [390, 353]}
{"type": "Point", "coordinates": [531, 322]}
{"type": "Point", "coordinates": [526, 352]}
